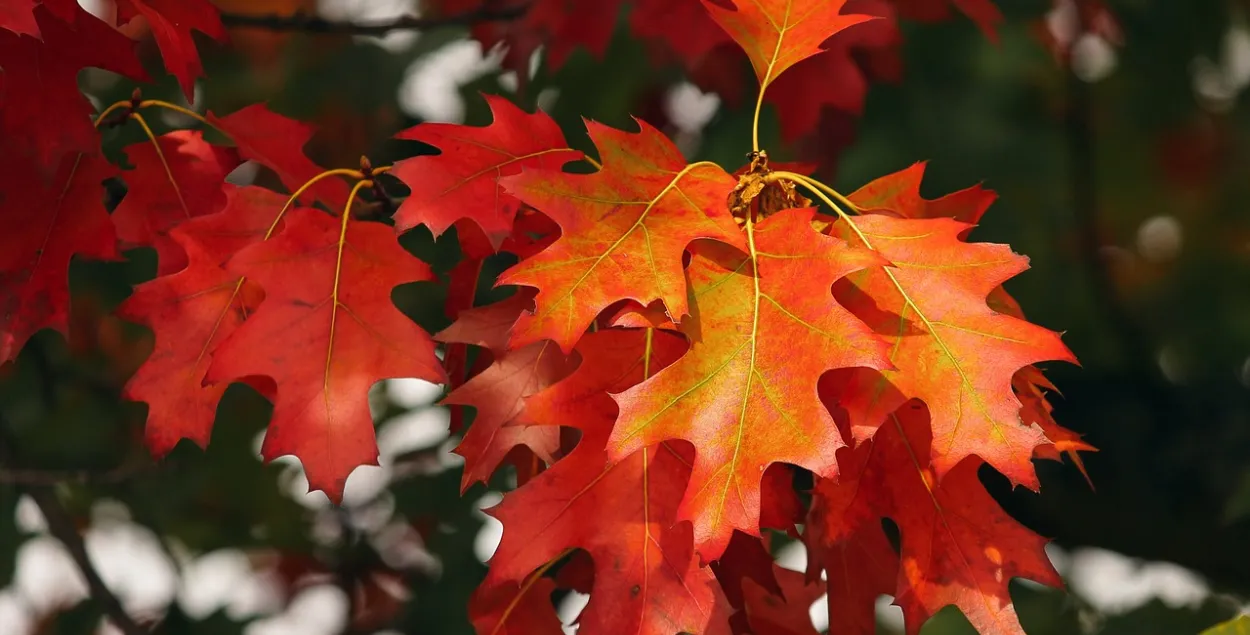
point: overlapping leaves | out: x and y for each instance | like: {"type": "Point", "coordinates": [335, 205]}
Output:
{"type": "Point", "coordinates": [696, 333]}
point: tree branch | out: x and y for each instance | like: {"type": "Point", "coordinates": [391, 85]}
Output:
{"type": "Point", "coordinates": [313, 24]}
{"type": "Point", "coordinates": [26, 476]}
{"type": "Point", "coordinates": [61, 526]}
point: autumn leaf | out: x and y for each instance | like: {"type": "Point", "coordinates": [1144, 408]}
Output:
{"type": "Point", "coordinates": [18, 16]}
{"type": "Point", "coordinates": [463, 181]}
{"type": "Point", "coordinates": [515, 609]}
{"type": "Point", "coordinates": [623, 231]}
{"type": "Point", "coordinates": [326, 331]}
{"type": "Point", "coordinates": [46, 226]}
{"type": "Point", "coordinates": [764, 329]}
{"type": "Point", "coordinates": [957, 546]}
{"type": "Point", "coordinates": [898, 194]}
{"type": "Point", "coordinates": [646, 578]}
{"type": "Point", "coordinates": [983, 12]}
{"type": "Point", "coordinates": [171, 22]}
{"type": "Point", "coordinates": [190, 312]}
{"type": "Point", "coordinates": [787, 614]}
{"type": "Point", "coordinates": [837, 78]}
{"type": "Point", "coordinates": [498, 393]}
{"type": "Point", "coordinates": [250, 214]}
{"type": "Point", "coordinates": [275, 142]}
{"type": "Point", "coordinates": [777, 34]}
{"type": "Point", "coordinates": [844, 541]}
{"type": "Point", "coordinates": [950, 349]}
{"type": "Point", "coordinates": [182, 182]}
{"type": "Point", "coordinates": [44, 117]}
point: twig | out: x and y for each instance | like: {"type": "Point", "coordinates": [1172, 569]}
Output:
{"type": "Point", "coordinates": [22, 476]}
{"type": "Point", "coordinates": [313, 24]}
{"type": "Point", "coordinates": [61, 525]}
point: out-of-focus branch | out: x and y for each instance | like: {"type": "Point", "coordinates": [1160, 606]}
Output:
{"type": "Point", "coordinates": [313, 24]}
{"type": "Point", "coordinates": [61, 526]}
{"type": "Point", "coordinates": [20, 476]}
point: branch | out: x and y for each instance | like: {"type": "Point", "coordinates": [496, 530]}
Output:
{"type": "Point", "coordinates": [313, 24]}
{"type": "Point", "coordinates": [21, 476]}
{"type": "Point", "coordinates": [61, 525]}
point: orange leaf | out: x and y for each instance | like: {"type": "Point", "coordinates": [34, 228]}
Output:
{"type": "Point", "coordinates": [777, 34]}
{"type": "Point", "coordinates": [624, 229]}
{"type": "Point", "coordinates": [951, 350]}
{"type": "Point", "coordinates": [646, 578]}
{"type": "Point", "coordinates": [764, 328]}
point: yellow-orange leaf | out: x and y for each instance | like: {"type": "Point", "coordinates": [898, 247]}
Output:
{"type": "Point", "coordinates": [623, 231]}
{"type": "Point", "coordinates": [764, 328]}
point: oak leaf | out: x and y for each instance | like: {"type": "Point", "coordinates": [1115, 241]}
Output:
{"type": "Point", "coordinates": [463, 181]}
{"type": "Point", "coordinates": [182, 182]}
{"type": "Point", "coordinates": [777, 34]}
{"type": "Point", "coordinates": [498, 393]}
{"type": "Point", "coordinates": [275, 142]}
{"type": "Point", "coordinates": [45, 226]}
{"type": "Point", "coordinates": [788, 613]}
{"type": "Point", "coordinates": [646, 578]}
{"type": "Point", "coordinates": [171, 22]}
{"type": "Point", "coordinates": [950, 349]}
{"type": "Point", "coordinates": [190, 312]}
{"type": "Point", "coordinates": [515, 609]}
{"type": "Point", "coordinates": [326, 331]}
{"type": "Point", "coordinates": [764, 328]}
{"type": "Point", "coordinates": [623, 231]}
{"type": "Point", "coordinates": [44, 117]}
{"type": "Point", "coordinates": [18, 16]}
{"type": "Point", "coordinates": [957, 546]}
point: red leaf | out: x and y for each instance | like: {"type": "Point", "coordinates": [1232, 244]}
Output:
{"type": "Point", "coordinates": [983, 12]}
{"type": "Point", "coordinates": [787, 613]}
{"type": "Point", "coordinates": [326, 331]}
{"type": "Point", "coordinates": [45, 226]}
{"type": "Point", "coordinates": [190, 312]}
{"type": "Point", "coordinates": [958, 547]}
{"type": "Point", "coordinates": [249, 215]}
{"type": "Point", "coordinates": [276, 142]}
{"type": "Point", "coordinates": [463, 181]}
{"type": "Point", "coordinates": [512, 609]}
{"type": "Point", "coordinates": [171, 22]}
{"type": "Point", "coordinates": [18, 16]}
{"type": "Point", "coordinates": [158, 199]}
{"type": "Point", "coordinates": [764, 329]}
{"type": "Point", "coordinates": [624, 229]}
{"type": "Point", "coordinates": [646, 578]}
{"type": "Point", "coordinates": [834, 79]}
{"type": "Point", "coordinates": [498, 393]}
{"type": "Point", "coordinates": [44, 117]}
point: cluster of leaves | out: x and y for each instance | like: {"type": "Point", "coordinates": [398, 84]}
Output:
{"type": "Point", "coordinates": [681, 345]}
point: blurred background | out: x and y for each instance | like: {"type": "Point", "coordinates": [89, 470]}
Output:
{"type": "Point", "coordinates": [1116, 133]}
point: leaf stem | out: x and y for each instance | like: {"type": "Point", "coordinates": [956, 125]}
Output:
{"type": "Point", "coordinates": [823, 192]}
{"type": "Point", "coordinates": [160, 154]}
{"type": "Point", "coordinates": [811, 183]}
{"type": "Point", "coordinates": [349, 172]}
{"type": "Point", "coordinates": [150, 103]}
{"type": "Point", "coordinates": [755, 122]}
